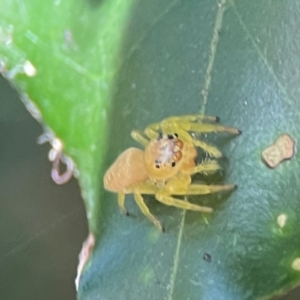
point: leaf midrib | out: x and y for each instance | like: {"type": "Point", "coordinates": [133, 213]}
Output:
{"type": "Point", "coordinates": [207, 82]}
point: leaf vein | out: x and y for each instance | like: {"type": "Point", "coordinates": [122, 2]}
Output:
{"type": "Point", "coordinates": [176, 256]}
{"type": "Point", "coordinates": [67, 61]}
{"type": "Point", "coordinates": [23, 11]}
{"type": "Point", "coordinates": [212, 52]}
{"type": "Point", "coordinates": [135, 46]}
{"type": "Point", "coordinates": [207, 81]}
{"type": "Point", "coordinates": [262, 56]}
{"type": "Point", "coordinates": [75, 66]}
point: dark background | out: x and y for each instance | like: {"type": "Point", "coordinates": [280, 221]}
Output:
{"type": "Point", "coordinates": [42, 225]}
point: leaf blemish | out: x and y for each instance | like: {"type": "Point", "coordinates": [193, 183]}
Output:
{"type": "Point", "coordinates": [154, 235]}
{"type": "Point", "coordinates": [282, 149]}
{"type": "Point", "coordinates": [6, 34]}
{"type": "Point", "coordinates": [69, 40]}
{"type": "Point", "coordinates": [207, 257]}
{"type": "Point", "coordinates": [296, 264]}
{"type": "Point", "coordinates": [29, 69]}
{"type": "Point", "coordinates": [31, 36]}
{"type": "Point", "coordinates": [26, 67]}
{"type": "Point", "coordinates": [68, 36]}
{"type": "Point", "coordinates": [281, 220]}
{"type": "Point", "coordinates": [147, 275]}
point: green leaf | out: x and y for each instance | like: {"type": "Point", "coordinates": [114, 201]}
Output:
{"type": "Point", "coordinates": [239, 61]}
{"type": "Point", "coordinates": [63, 57]}
{"type": "Point", "coordinates": [141, 63]}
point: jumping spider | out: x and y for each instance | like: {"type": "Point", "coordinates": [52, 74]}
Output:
{"type": "Point", "coordinates": [166, 165]}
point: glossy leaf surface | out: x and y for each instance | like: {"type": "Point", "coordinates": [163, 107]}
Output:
{"type": "Point", "coordinates": [235, 59]}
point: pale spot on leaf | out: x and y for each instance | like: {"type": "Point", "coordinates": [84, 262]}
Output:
{"type": "Point", "coordinates": [296, 264]}
{"type": "Point", "coordinates": [29, 69]}
{"type": "Point", "coordinates": [281, 220]}
{"type": "Point", "coordinates": [282, 149]}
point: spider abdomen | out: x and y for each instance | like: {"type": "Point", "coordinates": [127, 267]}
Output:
{"type": "Point", "coordinates": [128, 170]}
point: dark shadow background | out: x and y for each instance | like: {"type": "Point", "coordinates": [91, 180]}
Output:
{"type": "Point", "coordinates": [42, 225]}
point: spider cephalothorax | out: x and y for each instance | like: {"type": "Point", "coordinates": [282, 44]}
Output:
{"type": "Point", "coordinates": [167, 149]}
{"type": "Point", "coordinates": [165, 155]}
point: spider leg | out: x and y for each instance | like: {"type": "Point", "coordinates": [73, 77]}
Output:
{"type": "Point", "coordinates": [164, 196]}
{"type": "Point", "coordinates": [143, 207]}
{"type": "Point", "coordinates": [171, 201]}
{"type": "Point", "coordinates": [206, 128]}
{"type": "Point", "coordinates": [203, 189]}
{"type": "Point", "coordinates": [182, 128]}
{"type": "Point", "coordinates": [211, 150]}
{"type": "Point", "coordinates": [187, 118]}
{"type": "Point", "coordinates": [138, 136]}
{"type": "Point", "coordinates": [192, 118]}
{"type": "Point", "coordinates": [189, 123]}
{"type": "Point", "coordinates": [173, 188]}
{"type": "Point", "coordinates": [121, 203]}
{"type": "Point", "coordinates": [206, 167]}
{"type": "Point", "coordinates": [151, 133]}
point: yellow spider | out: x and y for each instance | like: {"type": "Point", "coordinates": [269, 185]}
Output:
{"type": "Point", "coordinates": [165, 167]}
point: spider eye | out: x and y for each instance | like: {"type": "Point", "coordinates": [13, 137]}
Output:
{"type": "Point", "coordinates": [179, 144]}
{"type": "Point", "coordinates": [170, 136]}
{"type": "Point", "coordinates": [157, 164]}
{"type": "Point", "coordinates": [177, 156]}
{"type": "Point", "coordinates": [173, 164]}
{"type": "Point", "coordinates": [160, 136]}
{"type": "Point", "coordinates": [176, 135]}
